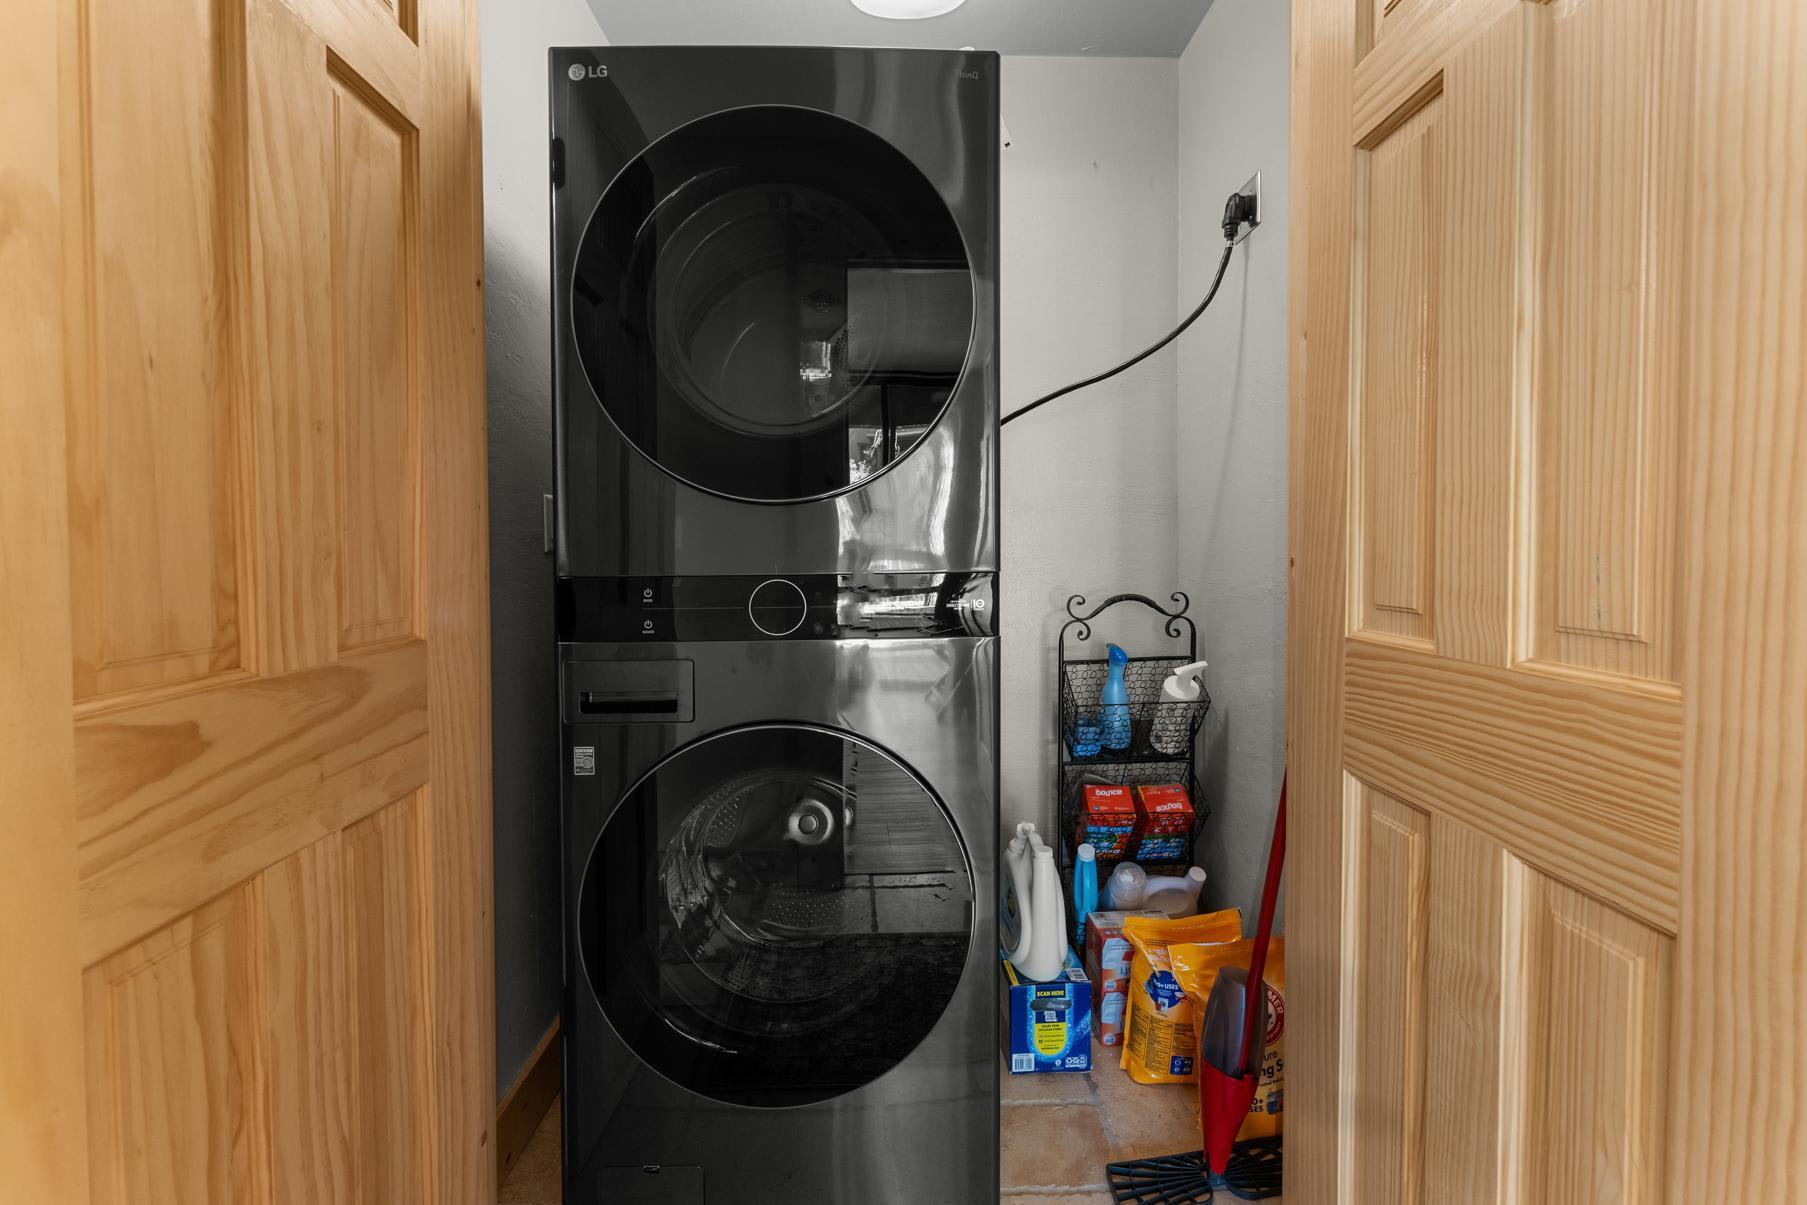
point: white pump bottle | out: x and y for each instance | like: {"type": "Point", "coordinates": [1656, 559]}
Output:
{"type": "Point", "coordinates": [1183, 684]}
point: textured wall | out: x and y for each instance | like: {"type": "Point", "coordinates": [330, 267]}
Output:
{"type": "Point", "coordinates": [517, 300]}
{"type": "Point", "coordinates": [1230, 444]}
{"type": "Point", "coordinates": [1089, 277]}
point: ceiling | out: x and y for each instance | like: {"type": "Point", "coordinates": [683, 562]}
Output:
{"type": "Point", "coordinates": [1132, 28]}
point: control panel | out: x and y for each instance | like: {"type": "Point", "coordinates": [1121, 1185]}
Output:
{"type": "Point", "coordinates": [802, 607]}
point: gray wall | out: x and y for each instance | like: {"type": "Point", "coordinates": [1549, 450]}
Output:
{"type": "Point", "coordinates": [516, 264]}
{"type": "Point", "coordinates": [1090, 227]}
{"type": "Point", "coordinates": [1230, 429]}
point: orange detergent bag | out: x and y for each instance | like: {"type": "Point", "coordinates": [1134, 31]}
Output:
{"type": "Point", "coordinates": [1196, 967]}
{"type": "Point", "coordinates": [1160, 1042]}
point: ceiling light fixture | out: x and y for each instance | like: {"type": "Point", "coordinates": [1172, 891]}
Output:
{"type": "Point", "coordinates": [907, 10]}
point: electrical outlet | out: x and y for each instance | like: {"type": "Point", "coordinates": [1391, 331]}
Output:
{"type": "Point", "coordinates": [1251, 189]}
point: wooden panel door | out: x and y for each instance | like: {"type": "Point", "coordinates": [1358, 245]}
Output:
{"type": "Point", "coordinates": [245, 606]}
{"type": "Point", "coordinates": [1547, 686]}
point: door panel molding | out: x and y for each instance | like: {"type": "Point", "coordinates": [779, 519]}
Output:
{"type": "Point", "coordinates": [1521, 756]}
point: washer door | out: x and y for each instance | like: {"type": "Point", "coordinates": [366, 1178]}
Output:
{"type": "Point", "coordinates": [776, 915]}
{"type": "Point", "coordinates": [772, 304]}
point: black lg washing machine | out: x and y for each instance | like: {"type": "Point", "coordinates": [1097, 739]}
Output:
{"type": "Point", "coordinates": [780, 831]}
{"type": "Point", "coordinates": [774, 310]}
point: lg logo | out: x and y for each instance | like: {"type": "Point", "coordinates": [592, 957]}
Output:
{"type": "Point", "coordinates": [578, 71]}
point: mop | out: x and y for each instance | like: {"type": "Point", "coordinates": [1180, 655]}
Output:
{"type": "Point", "coordinates": [1230, 1046]}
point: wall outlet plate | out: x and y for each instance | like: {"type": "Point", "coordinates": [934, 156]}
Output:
{"type": "Point", "coordinates": [1251, 189]}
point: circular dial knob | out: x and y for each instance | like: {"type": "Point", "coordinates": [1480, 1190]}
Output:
{"type": "Point", "coordinates": [777, 607]}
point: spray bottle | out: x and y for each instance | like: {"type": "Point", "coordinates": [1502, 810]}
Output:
{"type": "Point", "coordinates": [1113, 702]}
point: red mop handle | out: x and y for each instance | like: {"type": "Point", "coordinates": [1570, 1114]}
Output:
{"type": "Point", "coordinates": [1254, 1004]}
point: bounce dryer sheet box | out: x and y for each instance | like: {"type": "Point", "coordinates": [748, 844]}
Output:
{"type": "Point", "coordinates": [1164, 823]}
{"type": "Point", "coordinates": [1107, 820]}
{"type": "Point", "coordinates": [1048, 1026]}
{"type": "Point", "coordinates": [1107, 957]}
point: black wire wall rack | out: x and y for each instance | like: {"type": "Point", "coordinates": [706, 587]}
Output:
{"type": "Point", "coordinates": [1163, 746]}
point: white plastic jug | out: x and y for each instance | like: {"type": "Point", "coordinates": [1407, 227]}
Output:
{"type": "Point", "coordinates": [1176, 895]}
{"type": "Point", "coordinates": [1015, 922]}
{"type": "Point", "coordinates": [1040, 912]}
{"type": "Point", "coordinates": [1127, 888]}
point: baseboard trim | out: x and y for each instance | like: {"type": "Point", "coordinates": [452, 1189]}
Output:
{"type": "Point", "coordinates": [524, 1105]}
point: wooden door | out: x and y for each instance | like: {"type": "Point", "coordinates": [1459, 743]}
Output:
{"type": "Point", "coordinates": [1548, 684]}
{"type": "Point", "coordinates": [243, 605]}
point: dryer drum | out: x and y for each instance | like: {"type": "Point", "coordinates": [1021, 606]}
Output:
{"type": "Point", "coordinates": [772, 304]}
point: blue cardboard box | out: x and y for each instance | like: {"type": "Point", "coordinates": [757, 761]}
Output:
{"type": "Point", "coordinates": [1048, 1026]}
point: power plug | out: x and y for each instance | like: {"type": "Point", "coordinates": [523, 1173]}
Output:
{"type": "Point", "coordinates": [1242, 212]}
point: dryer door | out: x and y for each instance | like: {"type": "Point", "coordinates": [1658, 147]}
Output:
{"type": "Point", "coordinates": [772, 304]}
{"type": "Point", "coordinates": [776, 915]}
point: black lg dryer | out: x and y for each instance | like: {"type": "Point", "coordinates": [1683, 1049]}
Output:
{"type": "Point", "coordinates": [775, 310]}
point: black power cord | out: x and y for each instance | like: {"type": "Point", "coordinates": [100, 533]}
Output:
{"type": "Point", "coordinates": [1240, 208]}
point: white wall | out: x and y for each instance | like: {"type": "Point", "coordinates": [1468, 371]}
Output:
{"type": "Point", "coordinates": [1230, 435]}
{"type": "Point", "coordinates": [517, 299]}
{"type": "Point", "coordinates": [1088, 279]}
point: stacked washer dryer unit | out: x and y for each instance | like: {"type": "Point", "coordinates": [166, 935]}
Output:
{"type": "Point", "coordinates": [775, 330]}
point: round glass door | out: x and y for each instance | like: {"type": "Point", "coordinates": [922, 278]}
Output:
{"type": "Point", "coordinates": [772, 304]}
{"type": "Point", "coordinates": [776, 915]}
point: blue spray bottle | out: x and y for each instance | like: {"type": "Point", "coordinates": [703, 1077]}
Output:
{"type": "Point", "coordinates": [1114, 702]}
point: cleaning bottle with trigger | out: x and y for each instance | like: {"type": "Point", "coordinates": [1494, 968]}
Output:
{"type": "Point", "coordinates": [1172, 728]}
{"type": "Point", "coordinates": [1113, 702]}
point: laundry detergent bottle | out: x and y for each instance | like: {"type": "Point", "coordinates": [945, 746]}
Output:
{"type": "Point", "coordinates": [1127, 888]}
{"type": "Point", "coordinates": [1113, 702]}
{"type": "Point", "coordinates": [1047, 953]}
{"type": "Point", "coordinates": [1085, 891]}
{"type": "Point", "coordinates": [1176, 895]}
{"type": "Point", "coordinates": [1015, 917]}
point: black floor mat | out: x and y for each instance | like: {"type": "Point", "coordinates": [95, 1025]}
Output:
{"type": "Point", "coordinates": [1254, 1175]}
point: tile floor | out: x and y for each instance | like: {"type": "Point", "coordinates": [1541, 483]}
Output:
{"type": "Point", "coordinates": [1059, 1132]}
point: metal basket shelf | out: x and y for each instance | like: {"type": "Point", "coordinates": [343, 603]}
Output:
{"type": "Point", "coordinates": [1129, 774]}
{"type": "Point", "coordinates": [1155, 726]}
{"type": "Point", "coordinates": [1159, 731]}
